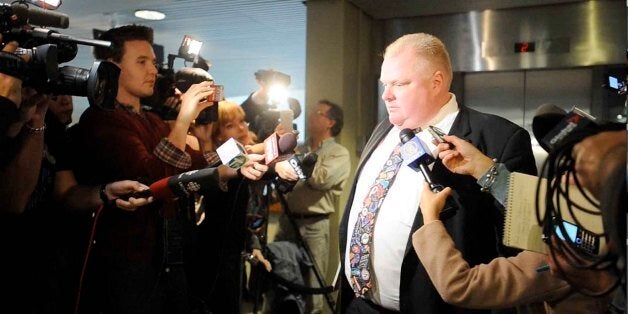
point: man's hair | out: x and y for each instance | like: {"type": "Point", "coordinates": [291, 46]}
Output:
{"type": "Point", "coordinates": [186, 77]}
{"type": "Point", "coordinates": [334, 113]}
{"type": "Point", "coordinates": [118, 36]}
{"type": "Point", "coordinates": [426, 46]}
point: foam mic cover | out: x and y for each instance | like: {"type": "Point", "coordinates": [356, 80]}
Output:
{"type": "Point", "coordinates": [547, 116]}
{"type": "Point", "coordinates": [574, 122]}
{"type": "Point", "coordinates": [185, 184]}
{"type": "Point", "coordinates": [287, 143]}
{"type": "Point", "coordinates": [413, 151]}
{"type": "Point", "coordinates": [40, 17]}
{"type": "Point", "coordinates": [275, 146]}
{"type": "Point", "coordinates": [308, 163]}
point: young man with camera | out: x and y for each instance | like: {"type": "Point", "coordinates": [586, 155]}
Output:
{"type": "Point", "coordinates": [138, 265]}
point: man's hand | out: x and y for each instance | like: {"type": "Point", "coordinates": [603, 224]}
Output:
{"type": "Point", "coordinates": [118, 189]}
{"type": "Point", "coordinates": [32, 111]}
{"type": "Point", "coordinates": [10, 87]}
{"type": "Point", "coordinates": [257, 254]}
{"type": "Point", "coordinates": [463, 158]}
{"type": "Point", "coordinates": [193, 101]}
{"type": "Point", "coordinates": [253, 170]}
{"type": "Point", "coordinates": [285, 171]}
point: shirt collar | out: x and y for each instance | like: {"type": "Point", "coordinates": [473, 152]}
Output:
{"type": "Point", "coordinates": [445, 111]}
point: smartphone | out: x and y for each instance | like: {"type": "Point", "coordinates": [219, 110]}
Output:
{"type": "Point", "coordinates": [218, 94]}
{"type": "Point", "coordinates": [581, 238]}
{"type": "Point", "coordinates": [614, 83]}
{"type": "Point", "coordinates": [285, 119]}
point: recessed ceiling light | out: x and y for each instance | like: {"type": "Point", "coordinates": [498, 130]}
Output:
{"type": "Point", "coordinates": [150, 15]}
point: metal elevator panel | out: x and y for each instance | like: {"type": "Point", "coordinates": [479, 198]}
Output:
{"type": "Point", "coordinates": [516, 95]}
{"type": "Point", "coordinates": [499, 93]}
{"type": "Point", "coordinates": [566, 35]}
{"type": "Point", "coordinates": [564, 88]}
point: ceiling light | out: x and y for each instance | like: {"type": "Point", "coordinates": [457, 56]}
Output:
{"type": "Point", "coordinates": [150, 15]}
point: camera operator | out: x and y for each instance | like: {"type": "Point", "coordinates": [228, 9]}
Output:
{"type": "Point", "coordinates": [256, 107]}
{"type": "Point", "coordinates": [313, 200]}
{"type": "Point", "coordinates": [600, 164]}
{"type": "Point", "coordinates": [32, 191]}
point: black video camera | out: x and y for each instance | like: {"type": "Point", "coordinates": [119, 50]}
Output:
{"type": "Point", "coordinates": [168, 80]}
{"type": "Point", "coordinates": [271, 76]}
{"type": "Point", "coordinates": [46, 49]}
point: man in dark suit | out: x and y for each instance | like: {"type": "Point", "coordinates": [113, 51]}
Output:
{"type": "Point", "coordinates": [381, 272]}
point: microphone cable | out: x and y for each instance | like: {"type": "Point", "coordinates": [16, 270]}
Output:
{"type": "Point", "coordinates": [86, 260]}
{"type": "Point", "coordinates": [559, 168]}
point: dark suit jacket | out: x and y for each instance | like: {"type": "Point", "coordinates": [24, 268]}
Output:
{"type": "Point", "coordinates": [477, 226]}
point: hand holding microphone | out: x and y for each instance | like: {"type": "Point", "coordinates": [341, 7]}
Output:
{"type": "Point", "coordinates": [253, 169]}
{"type": "Point", "coordinates": [416, 156]}
{"type": "Point", "coordinates": [432, 203]}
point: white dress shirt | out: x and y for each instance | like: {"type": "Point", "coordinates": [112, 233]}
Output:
{"type": "Point", "coordinates": [397, 212]}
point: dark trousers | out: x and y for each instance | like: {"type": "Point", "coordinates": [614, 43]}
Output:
{"type": "Point", "coordinates": [364, 306]}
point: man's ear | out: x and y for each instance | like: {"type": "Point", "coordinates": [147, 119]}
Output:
{"type": "Point", "coordinates": [331, 123]}
{"type": "Point", "coordinates": [438, 79]}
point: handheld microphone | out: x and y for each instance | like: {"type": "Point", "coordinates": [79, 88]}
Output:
{"type": "Point", "coordinates": [185, 184]}
{"type": "Point", "coordinates": [232, 154]}
{"type": "Point", "coordinates": [275, 146]}
{"type": "Point", "coordinates": [416, 156]}
{"type": "Point", "coordinates": [553, 127]}
{"type": "Point", "coordinates": [575, 121]}
{"type": "Point", "coordinates": [303, 165]}
{"type": "Point", "coordinates": [40, 17]}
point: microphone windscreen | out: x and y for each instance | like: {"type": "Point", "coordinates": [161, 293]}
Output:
{"type": "Point", "coordinates": [287, 143]}
{"type": "Point", "coordinates": [161, 190]}
{"type": "Point", "coordinates": [405, 135]}
{"type": "Point", "coordinates": [40, 17]}
{"type": "Point", "coordinates": [547, 116]}
{"type": "Point", "coordinates": [308, 163]}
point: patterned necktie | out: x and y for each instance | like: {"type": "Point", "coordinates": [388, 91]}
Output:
{"type": "Point", "coordinates": [362, 238]}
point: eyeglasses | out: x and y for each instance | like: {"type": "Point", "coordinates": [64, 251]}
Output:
{"type": "Point", "coordinates": [321, 113]}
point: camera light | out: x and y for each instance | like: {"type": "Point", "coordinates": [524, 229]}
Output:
{"type": "Point", "coordinates": [195, 47]}
{"type": "Point", "coordinates": [278, 94]}
{"type": "Point", "coordinates": [150, 15]}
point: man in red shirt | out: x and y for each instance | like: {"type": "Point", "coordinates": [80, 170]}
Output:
{"type": "Point", "coordinates": [138, 262]}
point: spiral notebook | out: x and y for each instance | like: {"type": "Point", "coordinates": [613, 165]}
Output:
{"type": "Point", "coordinates": [521, 229]}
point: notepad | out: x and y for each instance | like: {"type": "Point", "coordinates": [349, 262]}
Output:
{"type": "Point", "coordinates": [521, 228]}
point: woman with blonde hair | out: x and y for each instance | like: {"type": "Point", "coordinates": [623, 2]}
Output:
{"type": "Point", "coordinates": [224, 235]}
